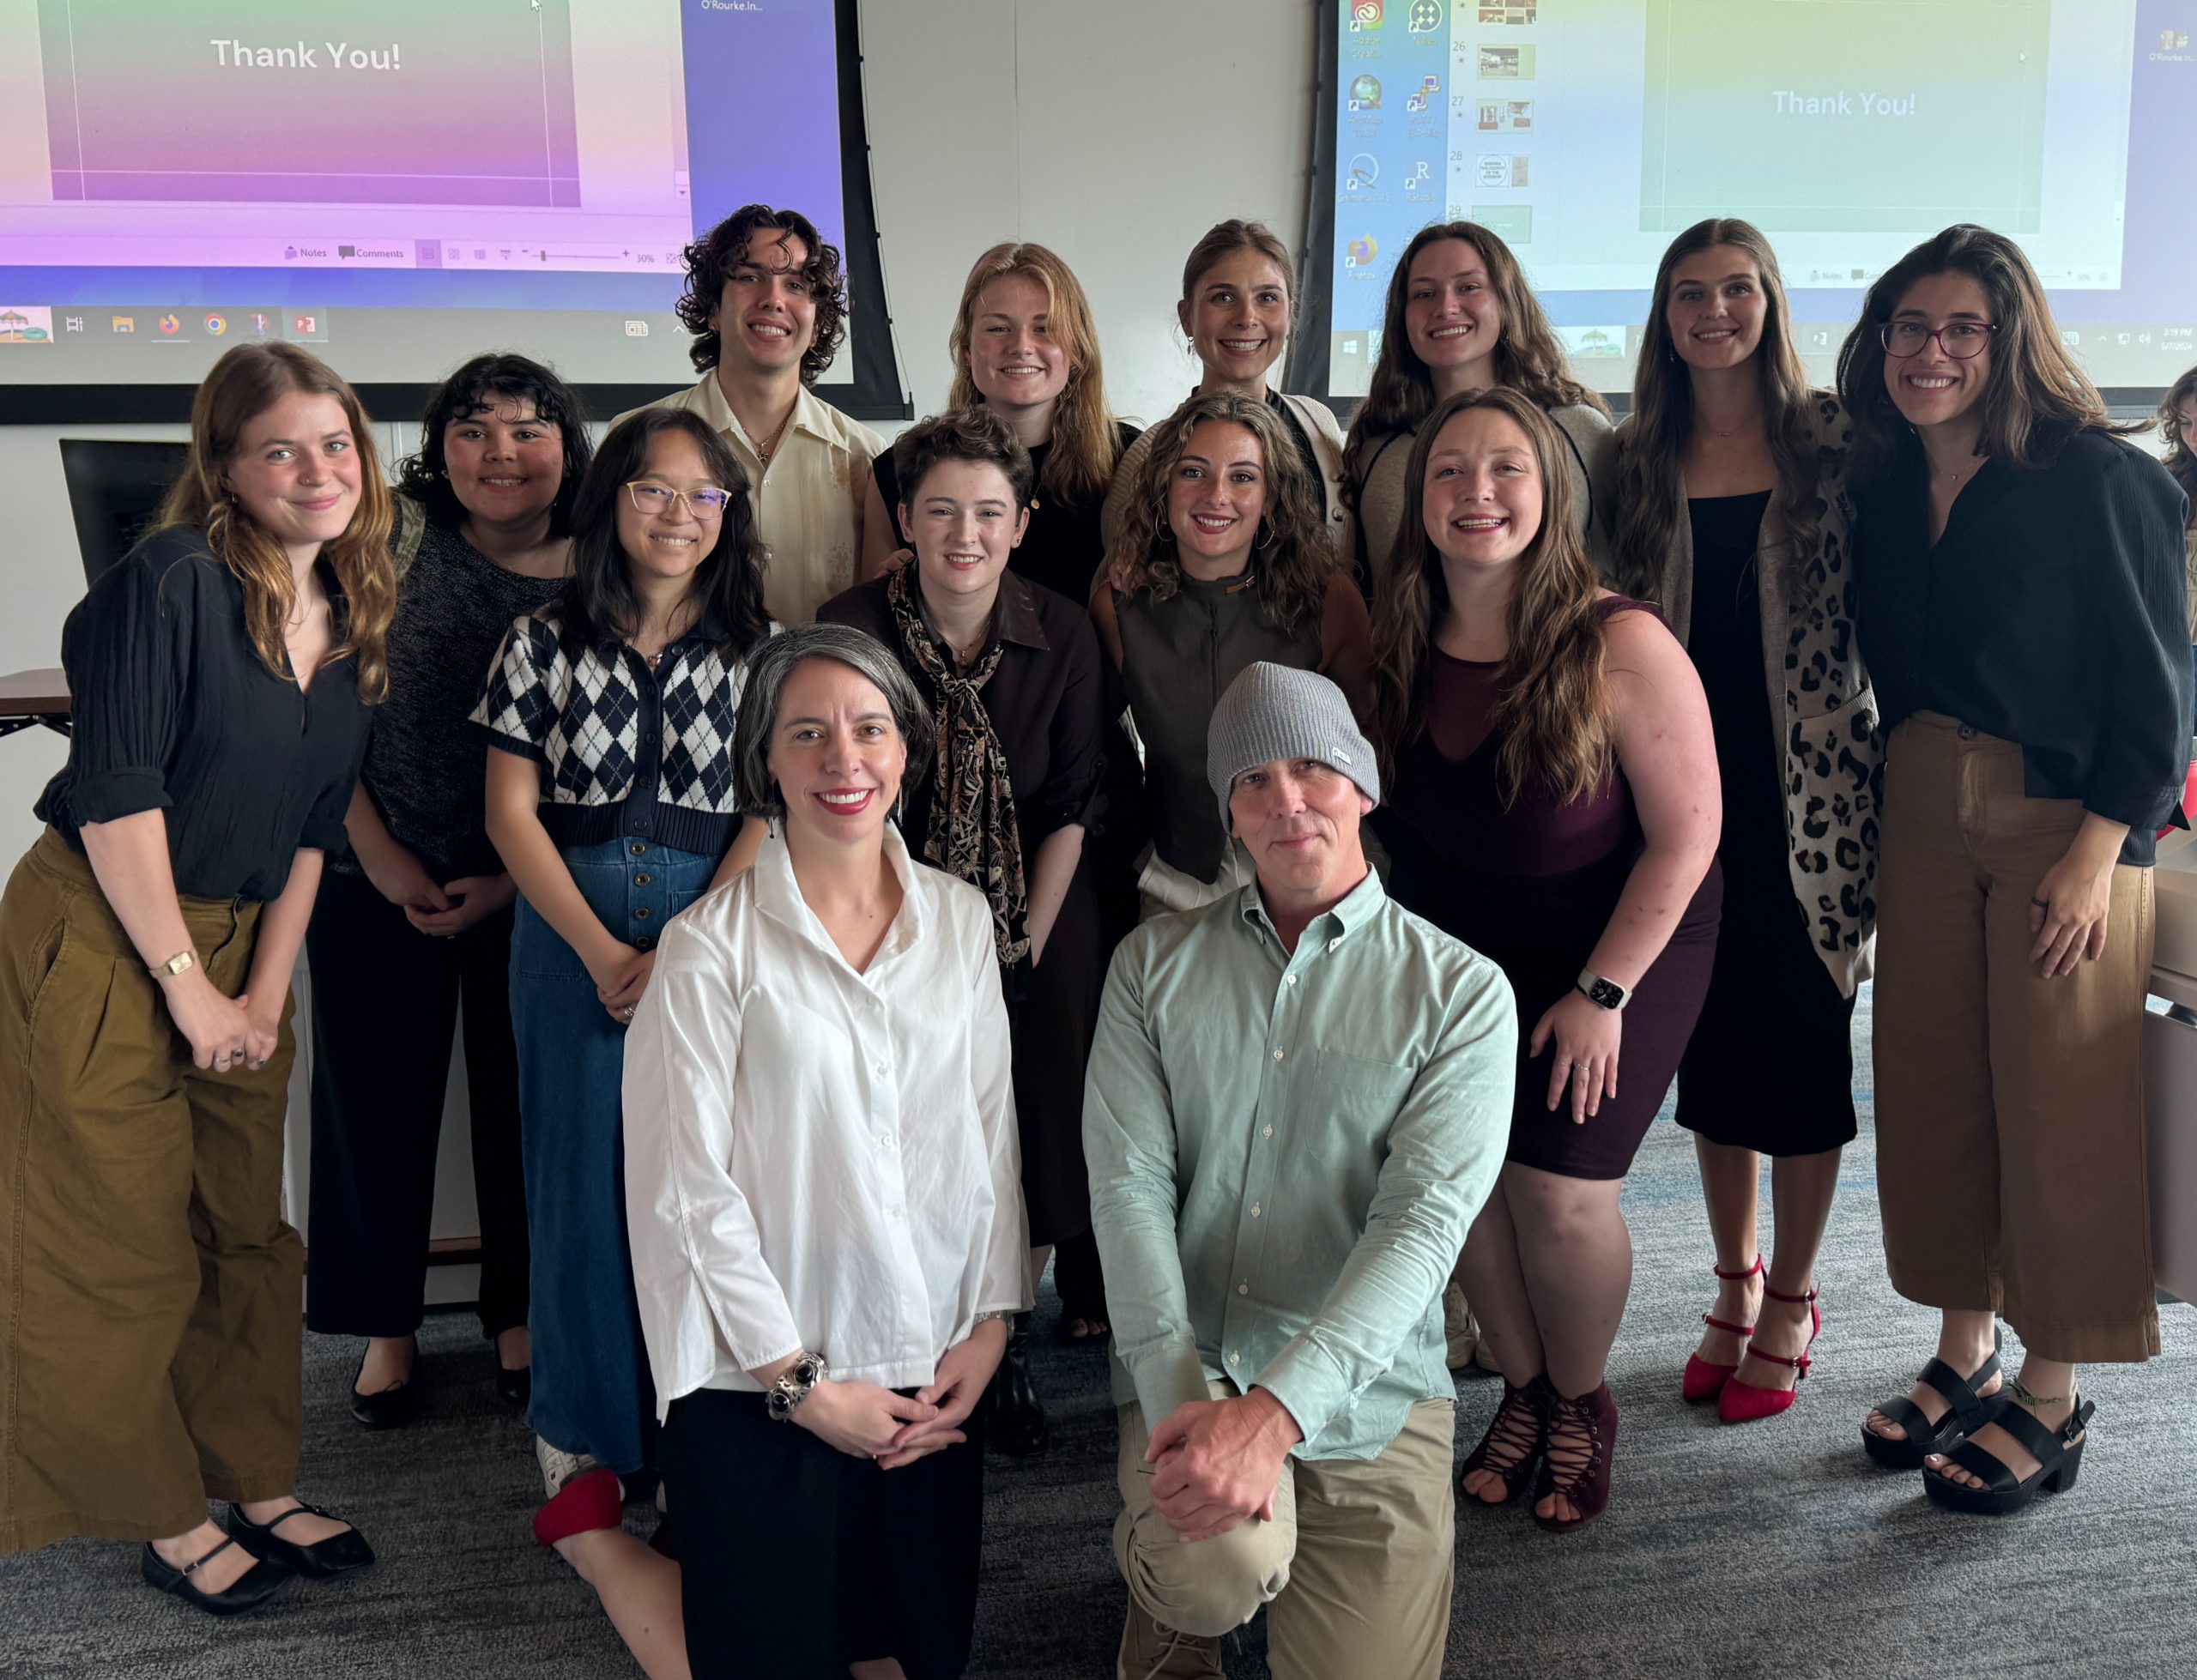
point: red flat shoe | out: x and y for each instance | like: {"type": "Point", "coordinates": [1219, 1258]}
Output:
{"type": "Point", "coordinates": [1743, 1402]}
{"type": "Point", "coordinates": [1580, 1471]}
{"type": "Point", "coordinates": [1704, 1380]}
{"type": "Point", "coordinates": [584, 1503]}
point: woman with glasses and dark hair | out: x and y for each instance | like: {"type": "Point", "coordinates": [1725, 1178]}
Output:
{"type": "Point", "coordinates": [1017, 691]}
{"type": "Point", "coordinates": [1226, 562]}
{"type": "Point", "coordinates": [416, 916]}
{"type": "Point", "coordinates": [826, 1217]}
{"type": "Point", "coordinates": [1551, 767]}
{"type": "Point", "coordinates": [1238, 312]}
{"type": "Point", "coordinates": [2023, 614]}
{"type": "Point", "coordinates": [612, 800]}
{"type": "Point", "coordinates": [1460, 316]}
{"type": "Point", "coordinates": [1733, 516]}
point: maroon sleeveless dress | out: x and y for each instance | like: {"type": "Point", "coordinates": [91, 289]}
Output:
{"type": "Point", "coordinates": [1532, 887]}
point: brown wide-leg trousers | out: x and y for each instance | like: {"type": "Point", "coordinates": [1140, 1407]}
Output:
{"type": "Point", "coordinates": [150, 1290]}
{"type": "Point", "coordinates": [2010, 1107]}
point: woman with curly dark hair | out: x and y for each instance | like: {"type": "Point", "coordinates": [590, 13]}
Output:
{"type": "Point", "coordinates": [2024, 615]}
{"type": "Point", "coordinates": [766, 301]}
{"type": "Point", "coordinates": [1460, 316]}
{"type": "Point", "coordinates": [1224, 561]}
{"type": "Point", "coordinates": [415, 914]}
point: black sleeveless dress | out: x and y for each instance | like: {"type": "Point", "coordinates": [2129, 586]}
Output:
{"type": "Point", "coordinates": [1774, 1020]}
{"type": "Point", "coordinates": [1532, 887]}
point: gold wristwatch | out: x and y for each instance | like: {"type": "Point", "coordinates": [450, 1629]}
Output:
{"type": "Point", "coordinates": [182, 963]}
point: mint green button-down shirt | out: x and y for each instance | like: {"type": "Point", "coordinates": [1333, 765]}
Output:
{"type": "Point", "coordinates": [1286, 1152]}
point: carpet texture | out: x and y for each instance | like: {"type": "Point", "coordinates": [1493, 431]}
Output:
{"type": "Point", "coordinates": [1772, 1549]}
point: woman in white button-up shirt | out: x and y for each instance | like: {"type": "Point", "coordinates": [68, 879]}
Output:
{"type": "Point", "coordinates": [820, 1170]}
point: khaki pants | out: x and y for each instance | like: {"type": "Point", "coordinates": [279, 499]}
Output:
{"type": "Point", "coordinates": [150, 1290]}
{"type": "Point", "coordinates": [1356, 1564]}
{"type": "Point", "coordinates": [2010, 1107]}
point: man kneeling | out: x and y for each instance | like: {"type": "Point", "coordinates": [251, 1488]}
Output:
{"type": "Point", "coordinates": [1298, 1101]}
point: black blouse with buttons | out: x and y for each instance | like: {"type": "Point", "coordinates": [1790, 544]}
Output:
{"type": "Point", "coordinates": [173, 710]}
{"type": "Point", "coordinates": [2053, 612]}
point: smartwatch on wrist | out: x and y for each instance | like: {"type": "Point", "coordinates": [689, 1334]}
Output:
{"type": "Point", "coordinates": [795, 1384]}
{"type": "Point", "coordinates": [1607, 993]}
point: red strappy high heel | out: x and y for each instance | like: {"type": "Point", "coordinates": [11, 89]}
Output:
{"type": "Point", "coordinates": [1742, 1402]}
{"type": "Point", "coordinates": [1704, 1380]}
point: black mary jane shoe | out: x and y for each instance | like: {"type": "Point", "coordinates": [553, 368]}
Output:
{"type": "Point", "coordinates": [2059, 1454]}
{"type": "Point", "coordinates": [1014, 1418]}
{"type": "Point", "coordinates": [515, 1388]}
{"type": "Point", "coordinates": [323, 1558]}
{"type": "Point", "coordinates": [1966, 1411]}
{"type": "Point", "coordinates": [249, 1590]}
{"type": "Point", "coordinates": [391, 1408]}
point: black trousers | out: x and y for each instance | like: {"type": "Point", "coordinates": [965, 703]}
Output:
{"type": "Point", "coordinates": [385, 1009]}
{"type": "Point", "coordinates": [797, 1559]}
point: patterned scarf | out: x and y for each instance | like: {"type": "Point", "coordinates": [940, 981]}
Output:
{"type": "Point", "coordinates": [974, 834]}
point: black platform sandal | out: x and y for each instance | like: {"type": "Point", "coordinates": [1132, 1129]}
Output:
{"type": "Point", "coordinates": [1966, 1411]}
{"type": "Point", "coordinates": [2059, 1455]}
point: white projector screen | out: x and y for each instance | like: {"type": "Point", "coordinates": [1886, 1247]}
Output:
{"type": "Point", "coordinates": [401, 184]}
{"type": "Point", "coordinates": [1589, 132]}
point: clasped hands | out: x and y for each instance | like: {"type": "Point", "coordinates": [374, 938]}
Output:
{"type": "Point", "coordinates": [1216, 1463]}
{"type": "Point", "coordinates": [867, 1421]}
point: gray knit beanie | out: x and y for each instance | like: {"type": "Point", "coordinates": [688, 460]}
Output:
{"type": "Point", "coordinates": [1276, 711]}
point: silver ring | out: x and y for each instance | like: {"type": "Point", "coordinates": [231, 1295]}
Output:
{"type": "Point", "coordinates": [627, 1013]}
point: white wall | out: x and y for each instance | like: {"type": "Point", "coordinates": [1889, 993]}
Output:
{"type": "Point", "coordinates": [1116, 134]}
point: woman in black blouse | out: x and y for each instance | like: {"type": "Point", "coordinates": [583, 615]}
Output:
{"type": "Point", "coordinates": [2024, 615]}
{"type": "Point", "coordinates": [1012, 673]}
{"type": "Point", "coordinates": [417, 913]}
{"type": "Point", "coordinates": [221, 675]}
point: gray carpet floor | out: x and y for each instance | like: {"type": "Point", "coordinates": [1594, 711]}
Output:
{"type": "Point", "coordinates": [1770, 1550]}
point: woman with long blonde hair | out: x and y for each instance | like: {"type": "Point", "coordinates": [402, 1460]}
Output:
{"type": "Point", "coordinates": [1229, 565]}
{"type": "Point", "coordinates": [1553, 780]}
{"type": "Point", "coordinates": [1237, 313]}
{"type": "Point", "coordinates": [1024, 345]}
{"type": "Point", "coordinates": [1460, 316]}
{"type": "Point", "coordinates": [1733, 517]}
{"type": "Point", "coordinates": [221, 676]}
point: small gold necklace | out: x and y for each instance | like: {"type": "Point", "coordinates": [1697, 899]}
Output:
{"type": "Point", "coordinates": [766, 448]}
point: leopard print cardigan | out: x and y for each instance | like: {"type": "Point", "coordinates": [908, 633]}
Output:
{"type": "Point", "coordinates": [1830, 748]}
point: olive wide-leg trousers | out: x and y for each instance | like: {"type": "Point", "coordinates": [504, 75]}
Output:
{"type": "Point", "coordinates": [150, 1290]}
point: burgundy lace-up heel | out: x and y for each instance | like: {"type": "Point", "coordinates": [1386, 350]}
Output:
{"type": "Point", "coordinates": [1515, 1438]}
{"type": "Point", "coordinates": [1704, 1380]}
{"type": "Point", "coordinates": [1581, 1435]}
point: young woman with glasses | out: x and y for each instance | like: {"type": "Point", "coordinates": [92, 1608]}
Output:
{"type": "Point", "coordinates": [1733, 516]}
{"type": "Point", "coordinates": [2023, 610]}
{"type": "Point", "coordinates": [611, 799]}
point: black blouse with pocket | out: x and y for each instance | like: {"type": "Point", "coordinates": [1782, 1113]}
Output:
{"type": "Point", "coordinates": [2053, 612]}
{"type": "Point", "coordinates": [175, 710]}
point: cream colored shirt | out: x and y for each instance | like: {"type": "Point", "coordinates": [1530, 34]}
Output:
{"type": "Point", "coordinates": [814, 1157]}
{"type": "Point", "coordinates": [808, 503]}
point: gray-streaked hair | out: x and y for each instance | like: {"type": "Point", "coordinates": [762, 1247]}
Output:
{"type": "Point", "coordinates": [769, 668]}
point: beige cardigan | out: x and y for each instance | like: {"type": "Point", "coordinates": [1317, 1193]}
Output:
{"type": "Point", "coordinates": [1117, 517]}
{"type": "Point", "coordinates": [1830, 752]}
